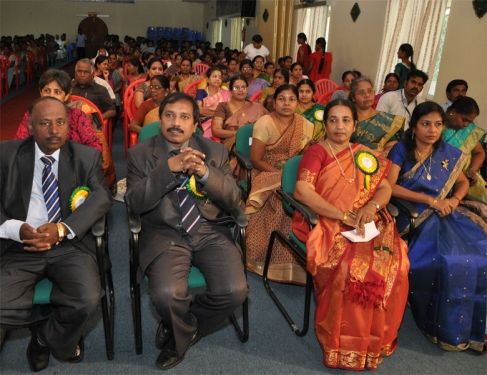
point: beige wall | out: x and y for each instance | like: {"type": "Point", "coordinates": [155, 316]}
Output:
{"type": "Point", "coordinates": [356, 45]}
{"type": "Point", "coordinates": [465, 55]}
{"type": "Point", "coordinates": [58, 16]}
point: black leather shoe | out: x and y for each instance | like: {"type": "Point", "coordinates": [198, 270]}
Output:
{"type": "Point", "coordinates": [169, 358]}
{"type": "Point", "coordinates": [37, 355]}
{"type": "Point", "coordinates": [79, 354]}
{"type": "Point", "coordinates": [163, 336]}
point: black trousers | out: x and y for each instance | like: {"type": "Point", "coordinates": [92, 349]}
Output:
{"type": "Point", "coordinates": [214, 252]}
{"type": "Point", "coordinates": [75, 295]}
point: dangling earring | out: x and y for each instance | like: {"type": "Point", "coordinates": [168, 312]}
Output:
{"type": "Point", "coordinates": [412, 136]}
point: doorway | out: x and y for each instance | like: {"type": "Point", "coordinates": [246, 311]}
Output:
{"type": "Point", "coordinates": [96, 31]}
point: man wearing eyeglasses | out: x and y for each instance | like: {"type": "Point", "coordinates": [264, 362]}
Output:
{"type": "Point", "coordinates": [45, 232]}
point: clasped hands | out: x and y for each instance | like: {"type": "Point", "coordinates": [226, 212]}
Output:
{"type": "Point", "coordinates": [188, 161]}
{"type": "Point", "coordinates": [445, 207]}
{"type": "Point", "coordinates": [42, 238]}
{"type": "Point", "coordinates": [357, 219]}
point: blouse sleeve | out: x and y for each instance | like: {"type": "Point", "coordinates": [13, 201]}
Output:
{"type": "Point", "coordinates": [201, 94]}
{"type": "Point", "coordinates": [398, 154]}
{"type": "Point", "coordinates": [220, 111]}
{"type": "Point", "coordinates": [311, 164]}
{"type": "Point", "coordinates": [261, 129]}
{"type": "Point", "coordinates": [22, 129]}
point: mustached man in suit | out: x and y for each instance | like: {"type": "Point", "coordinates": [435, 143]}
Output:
{"type": "Point", "coordinates": [42, 237]}
{"type": "Point", "coordinates": [180, 228]}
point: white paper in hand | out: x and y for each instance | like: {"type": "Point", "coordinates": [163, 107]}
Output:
{"type": "Point", "coordinates": [370, 233]}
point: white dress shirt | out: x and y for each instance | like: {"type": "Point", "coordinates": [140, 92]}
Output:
{"type": "Point", "coordinates": [395, 103]}
{"type": "Point", "coordinates": [37, 212]}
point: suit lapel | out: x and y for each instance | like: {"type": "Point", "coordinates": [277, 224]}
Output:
{"type": "Point", "coordinates": [25, 165]}
{"type": "Point", "coordinates": [67, 178]}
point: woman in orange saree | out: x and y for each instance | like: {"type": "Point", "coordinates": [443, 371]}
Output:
{"type": "Point", "coordinates": [276, 138]}
{"type": "Point", "coordinates": [361, 288]}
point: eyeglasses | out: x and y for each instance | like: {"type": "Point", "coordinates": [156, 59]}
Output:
{"type": "Point", "coordinates": [247, 68]}
{"type": "Point", "coordinates": [155, 87]}
{"type": "Point", "coordinates": [237, 88]}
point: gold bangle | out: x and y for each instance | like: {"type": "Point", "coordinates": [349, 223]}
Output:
{"type": "Point", "coordinates": [345, 216]}
{"type": "Point", "coordinates": [434, 202]}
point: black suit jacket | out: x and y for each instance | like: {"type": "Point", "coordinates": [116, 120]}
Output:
{"type": "Point", "coordinates": [78, 165]}
{"type": "Point", "coordinates": [151, 192]}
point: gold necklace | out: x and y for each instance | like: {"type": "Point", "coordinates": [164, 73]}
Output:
{"type": "Point", "coordinates": [426, 169]}
{"type": "Point", "coordinates": [342, 172]}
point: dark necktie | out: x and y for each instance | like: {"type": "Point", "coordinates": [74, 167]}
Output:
{"type": "Point", "coordinates": [190, 215]}
{"type": "Point", "coordinates": [50, 190]}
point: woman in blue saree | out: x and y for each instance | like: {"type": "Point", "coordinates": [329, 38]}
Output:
{"type": "Point", "coordinates": [447, 248]}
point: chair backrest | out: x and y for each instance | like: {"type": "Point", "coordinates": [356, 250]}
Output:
{"type": "Point", "coordinates": [325, 85]}
{"type": "Point", "coordinates": [90, 108]}
{"type": "Point", "coordinates": [243, 139]}
{"type": "Point", "coordinates": [200, 69]}
{"type": "Point", "coordinates": [128, 98]}
{"type": "Point", "coordinates": [290, 174]}
{"type": "Point", "coordinates": [149, 130]}
{"type": "Point", "coordinates": [256, 97]}
{"type": "Point", "coordinates": [325, 98]}
{"type": "Point", "coordinates": [288, 180]}
{"type": "Point", "coordinates": [192, 88]}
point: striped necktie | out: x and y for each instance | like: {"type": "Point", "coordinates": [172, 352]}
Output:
{"type": "Point", "coordinates": [190, 215]}
{"type": "Point", "coordinates": [50, 190]}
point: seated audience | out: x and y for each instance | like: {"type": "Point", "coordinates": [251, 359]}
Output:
{"type": "Point", "coordinates": [279, 78]}
{"type": "Point", "coordinates": [462, 133]}
{"type": "Point", "coordinates": [343, 92]}
{"type": "Point", "coordinates": [186, 75]}
{"type": "Point", "coordinates": [406, 66]}
{"type": "Point", "coordinates": [177, 235]}
{"type": "Point", "coordinates": [376, 130]}
{"type": "Point", "coordinates": [296, 74]}
{"type": "Point", "coordinates": [57, 84]}
{"type": "Point", "coordinates": [142, 92]}
{"type": "Point", "coordinates": [238, 111]}
{"type": "Point", "coordinates": [209, 98]}
{"type": "Point", "coordinates": [276, 138]}
{"type": "Point", "coordinates": [85, 86]}
{"type": "Point", "coordinates": [42, 235]}
{"type": "Point", "coordinates": [402, 102]}
{"type": "Point", "coordinates": [455, 89]}
{"type": "Point", "coordinates": [148, 112]}
{"type": "Point", "coordinates": [311, 111]}
{"type": "Point", "coordinates": [134, 71]}
{"type": "Point", "coordinates": [447, 281]}
{"type": "Point", "coordinates": [258, 66]}
{"type": "Point", "coordinates": [361, 288]}
{"type": "Point", "coordinates": [320, 62]}
{"type": "Point", "coordinates": [102, 75]}
{"type": "Point", "coordinates": [391, 83]}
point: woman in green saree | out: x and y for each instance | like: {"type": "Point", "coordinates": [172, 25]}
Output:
{"type": "Point", "coordinates": [310, 110]}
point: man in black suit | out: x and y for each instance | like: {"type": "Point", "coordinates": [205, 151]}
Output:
{"type": "Point", "coordinates": [181, 229]}
{"type": "Point", "coordinates": [43, 234]}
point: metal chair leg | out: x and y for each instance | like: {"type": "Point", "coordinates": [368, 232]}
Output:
{"type": "Point", "coordinates": [135, 294]}
{"type": "Point", "coordinates": [307, 302]}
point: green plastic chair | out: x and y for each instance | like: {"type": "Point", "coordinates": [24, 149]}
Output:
{"type": "Point", "coordinates": [195, 277]}
{"type": "Point", "coordinates": [241, 151]}
{"type": "Point", "coordinates": [298, 248]}
{"type": "Point", "coordinates": [43, 288]}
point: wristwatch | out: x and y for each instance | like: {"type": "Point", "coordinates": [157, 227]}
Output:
{"type": "Point", "coordinates": [61, 232]}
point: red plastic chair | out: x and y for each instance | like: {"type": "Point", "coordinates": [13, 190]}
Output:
{"type": "Point", "coordinates": [91, 109]}
{"type": "Point", "coordinates": [256, 97]}
{"type": "Point", "coordinates": [324, 86]}
{"type": "Point", "coordinates": [325, 98]}
{"type": "Point", "coordinates": [129, 111]}
{"type": "Point", "coordinates": [200, 69]}
{"type": "Point", "coordinates": [29, 67]}
{"type": "Point", "coordinates": [192, 88]}
{"type": "Point", "coordinates": [4, 64]}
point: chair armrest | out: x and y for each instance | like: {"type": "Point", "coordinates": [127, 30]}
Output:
{"type": "Point", "coordinates": [98, 229]}
{"type": "Point", "coordinates": [240, 217]}
{"type": "Point", "coordinates": [307, 212]}
{"type": "Point", "coordinates": [243, 160]}
{"type": "Point", "coordinates": [404, 206]}
{"type": "Point", "coordinates": [133, 138]}
{"type": "Point", "coordinates": [393, 210]}
{"type": "Point", "coordinates": [134, 221]}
